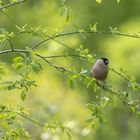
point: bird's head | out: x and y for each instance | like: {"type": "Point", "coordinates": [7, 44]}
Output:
{"type": "Point", "coordinates": [105, 60]}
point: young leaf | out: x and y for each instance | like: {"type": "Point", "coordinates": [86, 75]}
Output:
{"type": "Point", "coordinates": [99, 1]}
{"type": "Point", "coordinates": [23, 95]}
{"type": "Point", "coordinates": [93, 28]}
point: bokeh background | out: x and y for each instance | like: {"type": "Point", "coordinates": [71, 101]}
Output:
{"type": "Point", "coordinates": [53, 99]}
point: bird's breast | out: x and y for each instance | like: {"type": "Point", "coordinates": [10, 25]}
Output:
{"type": "Point", "coordinates": [100, 72]}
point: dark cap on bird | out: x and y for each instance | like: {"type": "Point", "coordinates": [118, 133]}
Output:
{"type": "Point", "coordinates": [106, 61]}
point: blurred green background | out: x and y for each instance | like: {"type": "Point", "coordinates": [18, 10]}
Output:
{"type": "Point", "coordinates": [53, 98]}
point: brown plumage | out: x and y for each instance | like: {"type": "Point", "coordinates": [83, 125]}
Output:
{"type": "Point", "coordinates": [100, 69]}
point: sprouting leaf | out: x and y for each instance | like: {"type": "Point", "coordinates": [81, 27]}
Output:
{"type": "Point", "coordinates": [93, 28]}
{"type": "Point", "coordinates": [86, 50]}
{"type": "Point", "coordinates": [21, 29]}
{"type": "Point", "coordinates": [113, 30]}
{"type": "Point", "coordinates": [24, 111]}
{"type": "Point", "coordinates": [65, 11]}
{"type": "Point", "coordinates": [18, 59]}
{"type": "Point", "coordinates": [99, 1]}
{"type": "Point", "coordinates": [23, 95]}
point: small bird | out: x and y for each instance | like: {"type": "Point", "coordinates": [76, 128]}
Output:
{"type": "Point", "coordinates": [100, 69]}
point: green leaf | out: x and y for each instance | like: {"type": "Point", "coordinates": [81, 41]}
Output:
{"type": "Point", "coordinates": [2, 107]}
{"type": "Point", "coordinates": [23, 95]}
{"type": "Point", "coordinates": [65, 12]}
{"type": "Point", "coordinates": [99, 1]}
{"type": "Point", "coordinates": [67, 18]}
{"type": "Point", "coordinates": [36, 66]}
{"type": "Point", "coordinates": [18, 65]}
{"type": "Point", "coordinates": [71, 83]}
{"type": "Point", "coordinates": [89, 120]}
{"type": "Point", "coordinates": [93, 28]}
{"type": "Point", "coordinates": [2, 70]}
{"type": "Point", "coordinates": [17, 59]}
{"type": "Point", "coordinates": [11, 86]}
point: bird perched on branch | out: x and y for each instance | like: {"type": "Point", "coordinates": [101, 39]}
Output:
{"type": "Point", "coordinates": [100, 69]}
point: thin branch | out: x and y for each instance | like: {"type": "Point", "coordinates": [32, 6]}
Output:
{"type": "Point", "coordinates": [3, 44]}
{"type": "Point", "coordinates": [49, 57]}
{"type": "Point", "coordinates": [12, 48]}
{"type": "Point", "coordinates": [90, 32]}
{"type": "Point", "coordinates": [30, 119]}
{"type": "Point", "coordinates": [11, 19]}
{"type": "Point", "coordinates": [11, 4]}
{"type": "Point", "coordinates": [60, 43]}
{"type": "Point", "coordinates": [24, 116]}
{"type": "Point", "coordinates": [59, 68]}
{"type": "Point", "coordinates": [121, 75]}
{"type": "Point", "coordinates": [57, 56]}
{"type": "Point", "coordinates": [113, 91]}
{"type": "Point", "coordinates": [13, 51]}
{"type": "Point", "coordinates": [62, 69]}
{"type": "Point", "coordinates": [64, 55]}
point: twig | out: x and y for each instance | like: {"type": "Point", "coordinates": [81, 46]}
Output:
{"type": "Point", "coordinates": [59, 68]}
{"type": "Point", "coordinates": [57, 56]}
{"type": "Point", "coordinates": [90, 32]}
{"type": "Point", "coordinates": [65, 55]}
{"type": "Point", "coordinates": [48, 57]}
{"type": "Point", "coordinates": [60, 43]}
{"type": "Point", "coordinates": [11, 19]}
{"type": "Point", "coordinates": [14, 51]}
{"type": "Point", "coordinates": [121, 75]}
{"type": "Point", "coordinates": [28, 118]}
{"type": "Point", "coordinates": [12, 48]}
{"type": "Point", "coordinates": [62, 69]}
{"type": "Point", "coordinates": [11, 4]}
